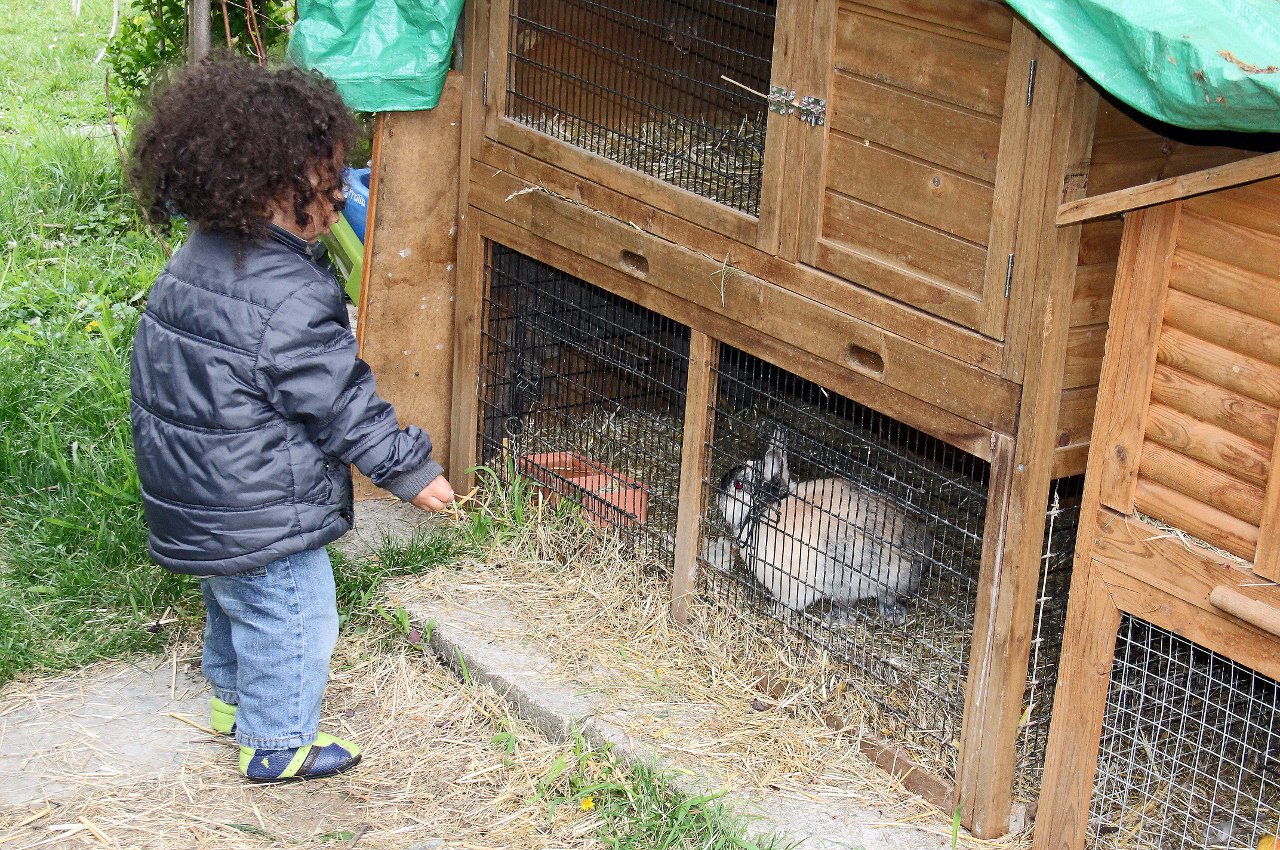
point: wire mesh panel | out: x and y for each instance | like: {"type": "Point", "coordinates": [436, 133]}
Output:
{"type": "Point", "coordinates": [1190, 750]}
{"type": "Point", "coordinates": [583, 392]}
{"type": "Point", "coordinates": [672, 88]}
{"type": "Point", "coordinates": [860, 533]}
{"type": "Point", "coordinates": [1062, 519]}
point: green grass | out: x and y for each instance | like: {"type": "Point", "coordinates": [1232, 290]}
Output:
{"type": "Point", "coordinates": [641, 807]}
{"type": "Point", "coordinates": [75, 582]}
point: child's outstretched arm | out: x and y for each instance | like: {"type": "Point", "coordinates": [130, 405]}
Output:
{"type": "Point", "coordinates": [309, 370]}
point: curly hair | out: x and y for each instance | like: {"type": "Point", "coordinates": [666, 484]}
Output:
{"type": "Point", "coordinates": [226, 140]}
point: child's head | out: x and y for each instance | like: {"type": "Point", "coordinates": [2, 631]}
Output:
{"type": "Point", "coordinates": [229, 144]}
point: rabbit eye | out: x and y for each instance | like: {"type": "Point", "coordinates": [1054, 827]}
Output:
{"type": "Point", "coordinates": [737, 485]}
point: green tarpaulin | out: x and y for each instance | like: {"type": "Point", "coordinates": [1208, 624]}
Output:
{"type": "Point", "coordinates": [1202, 64]}
{"type": "Point", "coordinates": [384, 55]}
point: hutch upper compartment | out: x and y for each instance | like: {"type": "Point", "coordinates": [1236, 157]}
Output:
{"type": "Point", "coordinates": [644, 95]}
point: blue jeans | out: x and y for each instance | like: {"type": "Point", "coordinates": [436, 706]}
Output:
{"type": "Point", "coordinates": [267, 642]}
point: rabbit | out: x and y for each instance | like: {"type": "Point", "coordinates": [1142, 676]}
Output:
{"type": "Point", "coordinates": [822, 539]}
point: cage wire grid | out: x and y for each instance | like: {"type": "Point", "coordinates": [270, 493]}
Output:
{"type": "Point", "coordinates": [1062, 519]}
{"type": "Point", "coordinates": [907, 516]}
{"type": "Point", "coordinates": [1190, 750]}
{"type": "Point", "coordinates": [583, 392]}
{"type": "Point", "coordinates": [643, 82]}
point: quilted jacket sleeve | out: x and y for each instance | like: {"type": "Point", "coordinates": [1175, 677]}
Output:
{"type": "Point", "coordinates": [308, 368]}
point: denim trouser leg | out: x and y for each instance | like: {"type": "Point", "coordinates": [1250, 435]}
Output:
{"type": "Point", "coordinates": [284, 624]}
{"type": "Point", "coordinates": [218, 662]}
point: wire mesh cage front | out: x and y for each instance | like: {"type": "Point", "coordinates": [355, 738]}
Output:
{"type": "Point", "coordinates": [858, 532]}
{"type": "Point", "coordinates": [1190, 751]}
{"type": "Point", "coordinates": [672, 88]}
{"type": "Point", "coordinates": [1062, 519]}
{"type": "Point", "coordinates": [583, 392]}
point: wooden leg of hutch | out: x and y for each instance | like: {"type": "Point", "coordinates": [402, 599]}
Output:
{"type": "Point", "coordinates": [1074, 733]}
{"type": "Point", "coordinates": [468, 331]}
{"type": "Point", "coordinates": [698, 423]}
{"type": "Point", "coordinates": [406, 296]}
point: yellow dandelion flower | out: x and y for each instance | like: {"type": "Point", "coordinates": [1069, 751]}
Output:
{"type": "Point", "coordinates": [588, 804]}
{"type": "Point", "coordinates": [91, 327]}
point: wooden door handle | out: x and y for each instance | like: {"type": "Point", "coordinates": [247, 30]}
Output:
{"type": "Point", "coordinates": [1231, 601]}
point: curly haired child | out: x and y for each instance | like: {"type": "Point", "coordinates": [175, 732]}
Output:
{"type": "Point", "coordinates": [249, 402]}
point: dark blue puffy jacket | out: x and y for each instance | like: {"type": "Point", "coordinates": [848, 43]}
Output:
{"type": "Point", "coordinates": [249, 402]}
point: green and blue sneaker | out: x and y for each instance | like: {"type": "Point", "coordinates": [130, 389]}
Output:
{"type": "Point", "coordinates": [222, 716]}
{"type": "Point", "coordinates": [325, 756]}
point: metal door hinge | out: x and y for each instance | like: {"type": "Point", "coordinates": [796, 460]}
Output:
{"type": "Point", "coordinates": [1031, 82]}
{"type": "Point", "coordinates": [780, 100]}
{"type": "Point", "coordinates": [484, 88]}
{"type": "Point", "coordinates": [813, 111]}
{"type": "Point", "coordinates": [1008, 276]}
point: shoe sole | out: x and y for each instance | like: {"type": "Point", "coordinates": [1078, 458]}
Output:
{"type": "Point", "coordinates": [348, 766]}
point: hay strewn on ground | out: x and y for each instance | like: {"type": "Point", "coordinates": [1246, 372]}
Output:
{"type": "Point", "coordinates": [729, 696]}
{"type": "Point", "coordinates": [431, 772]}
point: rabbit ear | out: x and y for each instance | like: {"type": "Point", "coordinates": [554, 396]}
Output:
{"type": "Point", "coordinates": [775, 459]}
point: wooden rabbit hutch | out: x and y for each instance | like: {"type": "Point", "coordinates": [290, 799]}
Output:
{"type": "Point", "coordinates": [1167, 733]}
{"type": "Point", "coordinates": [730, 218]}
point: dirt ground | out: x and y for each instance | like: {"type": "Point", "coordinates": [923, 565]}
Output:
{"type": "Point", "coordinates": [69, 777]}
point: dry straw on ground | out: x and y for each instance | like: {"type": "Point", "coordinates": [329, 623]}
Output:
{"type": "Point", "coordinates": [729, 696]}
{"type": "Point", "coordinates": [431, 772]}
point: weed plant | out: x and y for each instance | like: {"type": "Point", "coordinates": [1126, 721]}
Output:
{"type": "Point", "coordinates": [638, 806]}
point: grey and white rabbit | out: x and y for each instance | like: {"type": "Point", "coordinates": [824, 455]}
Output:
{"type": "Point", "coordinates": [822, 539]}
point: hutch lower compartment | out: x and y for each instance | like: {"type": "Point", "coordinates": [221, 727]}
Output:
{"type": "Point", "coordinates": [604, 388]}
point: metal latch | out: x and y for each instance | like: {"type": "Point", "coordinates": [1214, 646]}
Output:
{"type": "Point", "coordinates": [780, 100]}
{"type": "Point", "coordinates": [813, 111]}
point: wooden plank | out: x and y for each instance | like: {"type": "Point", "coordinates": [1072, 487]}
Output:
{"type": "Point", "coordinates": [955, 139]}
{"type": "Point", "coordinates": [1231, 601]}
{"type": "Point", "coordinates": [1233, 246]}
{"type": "Point", "coordinates": [1219, 448]}
{"type": "Point", "coordinates": [467, 360]}
{"type": "Point", "coordinates": [1100, 241]}
{"type": "Point", "coordinates": [1091, 302]}
{"type": "Point", "coordinates": [1197, 519]}
{"type": "Point", "coordinates": [944, 200]}
{"type": "Point", "coordinates": [778, 230]}
{"type": "Point", "coordinates": [1079, 702]}
{"type": "Point", "coordinates": [1084, 356]}
{"type": "Point", "coordinates": [1266, 561]}
{"type": "Point", "coordinates": [408, 300]}
{"type": "Point", "coordinates": [1009, 584]}
{"type": "Point", "coordinates": [1226, 284]}
{"type": "Point", "coordinates": [1256, 206]}
{"type": "Point", "coordinates": [922, 267]}
{"type": "Point", "coordinates": [984, 685]}
{"type": "Point", "coordinates": [908, 408]}
{"type": "Point", "coordinates": [980, 17]}
{"type": "Point", "coordinates": [1220, 367]}
{"type": "Point", "coordinates": [1171, 189]}
{"type": "Point", "coordinates": [914, 778]}
{"type": "Point", "coordinates": [1075, 421]}
{"type": "Point", "coordinates": [628, 182]}
{"type": "Point", "coordinates": [504, 178]}
{"type": "Point", "coordinates": [699, 413]}
{"type": "Point", "coordinates": [1129, 364]}
{"type": "Point", "coordinates": [1223, 326]}
{"type": "Point", "coordinates": [1201, 482]}
{"type": "Point", "coordinates": [952, 70]}
{"type": "Point", "coordinates": [1213, 404]}
{"type": "Point", "coordinates": [1168, 581]}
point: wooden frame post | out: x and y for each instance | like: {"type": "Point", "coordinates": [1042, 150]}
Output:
{"type": "Point", "coordinates": [700, 398]}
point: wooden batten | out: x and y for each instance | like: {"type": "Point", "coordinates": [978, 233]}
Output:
{"type": "Point", "coordinates": [407, 295]}
{"type": "Point", "coordinates": [699, 422]}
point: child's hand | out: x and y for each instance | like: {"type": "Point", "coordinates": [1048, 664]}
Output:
{"type": "Point", "coordinates": [435, 496]}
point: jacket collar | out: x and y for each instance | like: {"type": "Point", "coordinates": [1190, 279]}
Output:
{"type": "Point", "coordinates": [313, 251]}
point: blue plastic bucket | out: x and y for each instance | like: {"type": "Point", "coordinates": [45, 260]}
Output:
{"type": "Point", "coordinates": [355, 188]}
